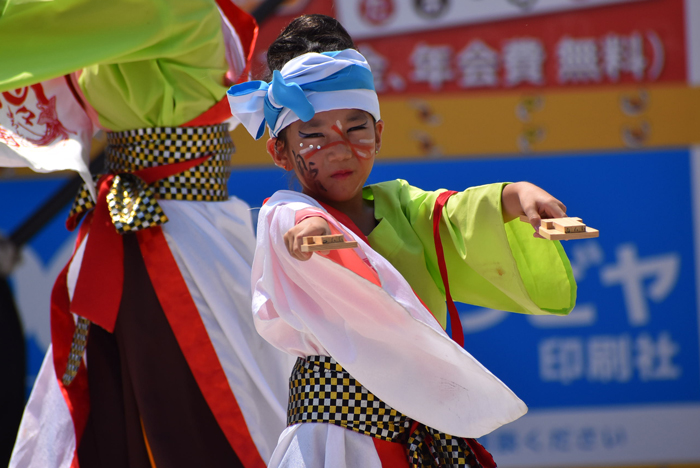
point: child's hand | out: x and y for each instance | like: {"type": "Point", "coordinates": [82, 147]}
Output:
{"type": "Point", "coordinates": [528, 199]}
{"type": "Point", "coordinates": [313, 226]}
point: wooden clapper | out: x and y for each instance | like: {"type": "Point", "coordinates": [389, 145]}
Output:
{"type": "Point", "coordinates": [333, 242]}
{"type": "Point", "coordinates": [564, 228]}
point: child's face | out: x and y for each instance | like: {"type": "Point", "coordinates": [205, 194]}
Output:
{"type": "Point", "coordinates": [332, 154]}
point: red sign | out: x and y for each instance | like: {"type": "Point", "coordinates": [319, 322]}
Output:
{"type": "Point", "coordinates": [634, 42]}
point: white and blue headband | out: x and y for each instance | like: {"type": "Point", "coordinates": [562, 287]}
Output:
{"type": "Point", "coordinates": [306, 84]}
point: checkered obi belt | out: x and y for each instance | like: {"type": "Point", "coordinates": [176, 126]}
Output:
{"type": "Point", "coordinates": [321, 391]}
{"type": "Point", "coordinates": [194, 160]}
{"type": "Point", "coordinates": [171, 163]}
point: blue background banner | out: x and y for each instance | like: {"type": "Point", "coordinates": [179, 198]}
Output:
{"type": "Point", "coordinates": [631, 342]}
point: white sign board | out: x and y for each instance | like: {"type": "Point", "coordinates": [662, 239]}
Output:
{"type": "Point", "coordinates": [371, 18]}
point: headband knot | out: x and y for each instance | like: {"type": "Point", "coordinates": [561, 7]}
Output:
{"type": "Point", "coordinates": [307, 84]}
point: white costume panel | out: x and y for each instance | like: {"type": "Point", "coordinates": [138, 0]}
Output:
{"type": "Point", "coordinates": [213, 246]}
{"type": "Point", "coordinates": [313, 445]}
{"type": "Point", "coordinates": [46, 437]}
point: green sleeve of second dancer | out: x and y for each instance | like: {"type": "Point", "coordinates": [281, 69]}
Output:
{"type": "Point", "coordinates": [40, 40]}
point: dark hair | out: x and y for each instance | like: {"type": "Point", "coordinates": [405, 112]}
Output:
{"type": "Point", "coordinates": [307, 33]}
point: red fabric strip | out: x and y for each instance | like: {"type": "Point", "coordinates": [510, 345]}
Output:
{"type": "Point", "coordinates": [192, 336]}
{"type": "Point", "coordinates": [349, 262]}
{"type": "Point", "coordinates": [391, 454]}
{"type": "Point", "coordinates": [216, 114]}
{"type": "Point", "coordinates": [152, 174]}
{"type": "Point", "coordinates": [456, 324]}
{"type": "Point", "coordinates": [62, 328]}
{"type": "Point", "coordinates": [247, 30]}
{"type": "Point", "coordinates": [100, 281]}
{"type": "Point", "coordinates": [482, 455]}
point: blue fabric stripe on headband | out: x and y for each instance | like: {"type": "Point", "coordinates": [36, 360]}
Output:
{"type": "Point", "coordinates": [288, 95]}
{"type": "Point", "coordinates": [247, 87]}
{"type": "Point", "coordinates": [352, 77]}
{"type": "Point", "coordinates": [292, 95]}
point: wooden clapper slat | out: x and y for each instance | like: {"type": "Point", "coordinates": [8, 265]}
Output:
{"type": "Point", "coordinates": [334, 242]}
{"type": "Point", "coordinates": [564, 228]}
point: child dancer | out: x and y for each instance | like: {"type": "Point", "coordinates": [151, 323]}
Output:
{"type": "Point", "coordinates": [378, 382]}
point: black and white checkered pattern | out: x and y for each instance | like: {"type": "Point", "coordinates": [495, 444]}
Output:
{"type": "Point", "coordinates": [322, 391]}
{"type": "Point", "coordinates": [132, 203]}
{"type": "Point", "coordinates": [77, 348]}
{"type": "Point", "coordinates": [428, 447]}
{"type": "Point", "coordinates": [132, 150]}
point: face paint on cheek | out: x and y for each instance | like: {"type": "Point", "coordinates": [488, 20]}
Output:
{"type": "Point", "coordinates": [366, 142]}
{"type": "Point", "coordinates": [360, 150]}
{"type": "Point", "coordinates": [310, 151]}
{"type": "Point", "coordinates": [313, 172]}
{"type": "Point", "coordinates": [301, 164]}
{"type": "Point", "coordinates": [310, 178]}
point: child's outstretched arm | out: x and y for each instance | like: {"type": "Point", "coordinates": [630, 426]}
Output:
{"type": "Point", "coordinates": [312, 226]}
{"type": "Point", "coordinates": [525, 198]}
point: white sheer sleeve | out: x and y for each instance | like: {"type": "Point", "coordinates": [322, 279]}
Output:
{"type": "Point", "coordinates": [377, 330]}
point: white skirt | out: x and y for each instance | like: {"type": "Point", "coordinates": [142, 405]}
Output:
{"type": "Point", "coordinates": [321, 445]}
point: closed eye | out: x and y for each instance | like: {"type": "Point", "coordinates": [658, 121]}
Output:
{"type": "Point", "coordinates": [359, 127]}
{"type": "Point", "coordinates": [310, 135]}
{"type": "Point", "coordinates": [362, 126]}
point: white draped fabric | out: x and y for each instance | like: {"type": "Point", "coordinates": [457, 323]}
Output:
{"type": "Point", "coordinates": [383, 336]}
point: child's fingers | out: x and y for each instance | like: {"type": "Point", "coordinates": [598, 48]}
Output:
{"type": "Point", "coordinates": [297, 253]}
{"type": "Point", "coordinates": [533, 216]}
{"type": "Point", "coordinates": [289, 243]}
{"type": "Point", "coordinates": [293, 244]}
{"type": "Point", "coordinates": [555, 209]}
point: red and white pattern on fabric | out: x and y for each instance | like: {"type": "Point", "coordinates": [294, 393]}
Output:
{"type": "Point", "coordinates": [44, 127]}
{"type": "Point", "coordinates": [240, 32]}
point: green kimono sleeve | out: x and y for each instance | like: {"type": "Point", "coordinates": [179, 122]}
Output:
{"type": "Point", "coordinates": [144, 63]}
{"type": "Point", "coordinates": [490, 264]}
